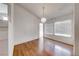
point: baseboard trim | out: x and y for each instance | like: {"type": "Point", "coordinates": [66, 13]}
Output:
{"type": "Point", "coordinates": [24, 41]}
{"type": "Point", "coordinates": [58, 41]}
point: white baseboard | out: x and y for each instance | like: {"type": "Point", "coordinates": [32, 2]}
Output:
{"type": "Point", "coordinates": [23, 41]}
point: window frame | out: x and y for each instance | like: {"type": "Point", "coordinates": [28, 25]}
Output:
{"type": "Point", "coordinates": [63, 35]}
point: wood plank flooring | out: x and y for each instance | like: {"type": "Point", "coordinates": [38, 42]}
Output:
{"type": "Point", "coordinates": [26, 49]}
{"type": "Point", "coordinates": [51, 48]}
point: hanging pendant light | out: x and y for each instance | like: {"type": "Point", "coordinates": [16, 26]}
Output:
{"type": "Point", "coordinates": [43, 19]}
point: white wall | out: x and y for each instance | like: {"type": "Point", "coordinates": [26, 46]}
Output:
{"type": "Point", "coordinates": [26, 26]}
{"type": "Point", "coordinates": [61, 38]}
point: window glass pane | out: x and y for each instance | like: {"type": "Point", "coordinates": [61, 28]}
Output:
{"type": "Point", "coordinates": [63, 28]}
{"type": "Point", "coordinates": [3, 12]}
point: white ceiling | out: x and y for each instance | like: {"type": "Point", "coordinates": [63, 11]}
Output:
{"type": "Point", "coordinates": [51, 9]}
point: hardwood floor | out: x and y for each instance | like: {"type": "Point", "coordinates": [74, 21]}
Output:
{"type": "Point", "coordinates": [26, 49]}
{"type": "Point", "coordinates": [51, 48]}
{"type": "Point", "coordinates": [58, 48]}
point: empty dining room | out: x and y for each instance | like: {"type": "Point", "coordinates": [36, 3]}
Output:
{"type": "Point", "coordinates": [39, 29]}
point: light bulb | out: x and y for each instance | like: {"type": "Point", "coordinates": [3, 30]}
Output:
{"type": "Point", "coordinates": [5, 18]}
{"type": "Point", "coordinates": [43, 20]}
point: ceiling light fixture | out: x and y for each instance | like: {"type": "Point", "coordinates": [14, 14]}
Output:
{"type": "Point", "coordinates": [5, 18]}
{"type": "Point", "coordinates": [43, 19]}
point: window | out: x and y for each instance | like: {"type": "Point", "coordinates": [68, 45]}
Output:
{"type": "Point", "coordinates": [49, 28]}
{"type": "Point", "coordinates": [3, 12]}
{"type": "Point", "coordinates": [63, 28]}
